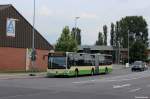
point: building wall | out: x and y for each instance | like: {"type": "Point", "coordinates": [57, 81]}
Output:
{"type": "Point", "coordinates": [41, 61]}
{"type": "Point", "coordinates": [13, 50]}
{"type": "Point", "coordinates": [23, 31]}
{"type": "Point", "coordinates": [14, 59]}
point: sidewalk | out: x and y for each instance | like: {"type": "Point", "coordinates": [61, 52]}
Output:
{"type": "Point", "coordinates": [21, 75]}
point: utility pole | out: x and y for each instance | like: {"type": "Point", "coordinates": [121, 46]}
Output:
{"type": "Point", "coordinates": [118, 52]}
{"type": "Point", "coordinates": [33, 30]}
{"type": "Point", "coordinates": [33, 54]}
{"type": "Point", "coordinates": [128, 48]}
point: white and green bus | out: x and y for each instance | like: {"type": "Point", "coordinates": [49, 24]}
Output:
{"type": "Point", "coordinates": [75, 64]}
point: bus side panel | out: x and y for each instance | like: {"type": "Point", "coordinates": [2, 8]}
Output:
{"type": "Point", "coordinates": [102, 68]}
{"type": "Point", "coordinates": [82, 70]}
{"type": "Point", "coordinates": [110, 68]}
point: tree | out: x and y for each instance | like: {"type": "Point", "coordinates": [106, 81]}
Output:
{"type": "Point", "coordinates": [136, 27]}
{"type": "Point", "coordinates": [77, 37]}
{"type": "Point", "coordinates": [112, 34]}
{"type": "Point", "coordinates": [66, 42]}
{"type": "Point", "coordinates": [100, 39]}
{"type": "Point", "coordinates": [105, 34]}
{"type": "Point", "coordinates": [138, 51]}
{"type": "Point", "coordinates": [116, 39]}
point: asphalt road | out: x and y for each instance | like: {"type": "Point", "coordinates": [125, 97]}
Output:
{"type": "Point", "coordinates": [120, 84]}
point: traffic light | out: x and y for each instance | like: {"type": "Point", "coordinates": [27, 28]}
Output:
{"type": "Point", "coordinates": [33, 55]}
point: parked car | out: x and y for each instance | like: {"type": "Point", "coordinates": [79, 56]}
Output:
{"type": "Point", "coordinates": [139, 66]}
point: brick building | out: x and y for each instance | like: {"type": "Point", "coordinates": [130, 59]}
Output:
{"type": "Point", "coordinates": [15, 49]}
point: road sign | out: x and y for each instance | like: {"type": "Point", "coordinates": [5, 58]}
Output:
{"type": "Point", "coordinates": [33, 55]}
{"type": "Point", "coordinates": [10, 28]}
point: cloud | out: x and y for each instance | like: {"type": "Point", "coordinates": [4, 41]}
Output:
{"type": "Point", "coordinates": [88, 15]}
{"type": "Point", "coordinates": [45, 11]}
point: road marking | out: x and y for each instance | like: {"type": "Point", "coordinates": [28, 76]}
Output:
{"type": "Point", "coordinates": [141, 97]}
{"type": "Point", "coordinates": [30, 94]}
{"type": "Point", "coordinates": [96, 80]}
{"type": "Point", "coordinates": [134, 90]}
{"type": "Point", "coordinates": [121, 86]}
{"type": "Point", "coordinates": [79, 82]}
{"type": "Point", "coordinates": [128, 77]}
{"type": "Point", "coordinates": [106, 80]}
{"type": "Point", "coordinates": [148, 85]}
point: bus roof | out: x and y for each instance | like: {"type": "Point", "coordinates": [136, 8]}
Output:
{"type": "Point", "coordinates": [77, 55]}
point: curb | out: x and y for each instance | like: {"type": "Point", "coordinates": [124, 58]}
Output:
{"type": "Point", "coordinates": [23, 76]}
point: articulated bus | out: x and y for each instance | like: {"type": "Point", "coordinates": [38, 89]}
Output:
{"type": "Point", "coordinates": [75, 64]}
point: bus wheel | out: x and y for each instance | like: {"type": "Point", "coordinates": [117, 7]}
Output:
{"type": "Point", "coordinates": [92, 72]}
{"type": "Point", "coordinates": [76, 72]}
{"type": "Point", "coordinates": [106, 70]}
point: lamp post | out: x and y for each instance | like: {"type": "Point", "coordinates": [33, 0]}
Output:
{"type": "Point", "coordinates": [33, 42]}
{"type": "Point", "coordinates": [76, 18]}
{"type": "Point", "coordinates": [33, 31]}
{"type": "Point", "coordinates": [118, 52]}
{"type": "Point", "coordinates": [128, 48]}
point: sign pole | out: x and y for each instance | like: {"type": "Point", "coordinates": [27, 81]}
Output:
{"type": "Point", "coordinates": [33, 42]}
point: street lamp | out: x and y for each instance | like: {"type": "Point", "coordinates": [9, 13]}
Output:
{"type": "Point", "coordinates": [128, 48]}
{"type": "Point", "coordinates": [76, 18]}
{"type": "Point", "coordinates": [33, 31]}
{"type": "Point", "coordinates": [118, 52]}
{"type": "Point", "coordinates": [33, 42]}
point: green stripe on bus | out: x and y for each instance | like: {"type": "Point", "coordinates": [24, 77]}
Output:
{"type": "Point", "coordinates": [81, 72]}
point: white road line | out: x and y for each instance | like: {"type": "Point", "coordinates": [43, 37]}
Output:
{"type": "Point", "coordinates": [134, 90]}
{"type": "Point", "coordinates": [148, 85]}
{"type": "Point", "coordinates": [96, 80]}
{"type": "Point", "coordinates": [21, 95]}
{"type": "Point", "coordinates": [116, 78]}
{"type": "Point", "coordinates": [86, 81]}
{"type": "Point", "coordinates": [141, 97]}
{"type": "Point", "coordinates": [105, 80]}
{"type": "Point", "coordinates": [121, 86]}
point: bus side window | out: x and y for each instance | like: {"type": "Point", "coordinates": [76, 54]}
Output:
{"type": "Point", "coordinates": [93, 63]}
{"type": "Point", "coordinates": [104, 63]}
{"type": "Point", "coordinates": [100, 63]}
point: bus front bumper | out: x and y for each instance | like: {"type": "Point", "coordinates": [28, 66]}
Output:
{"type": "Point", "coordinates": [61, 72]}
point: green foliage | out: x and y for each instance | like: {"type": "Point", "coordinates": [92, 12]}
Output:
{"type": "Point", "coordinates": [112, 34]}
{"type": "Point", "coordinates": [137, 52]}
{"type": "Point", "coordinates": [136, 27]}
{"type": "Point", "coordinates": [100, 39]}
{"type": "Point", "coordinates": [66, 42]}
{"type": "Point", "coordinates": [116, 34]}
{"type": "Point", "coordinates": [105, 34]}
{"type": "Point", "coordinates": [76, 31]}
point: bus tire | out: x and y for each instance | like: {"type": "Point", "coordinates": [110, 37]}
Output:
{"type": "Point", "coordinates": [76, 73]}
{"type": "Point", "coordinates": [92, 71]}
{"type": "Point", "coordinates": [106, 70]}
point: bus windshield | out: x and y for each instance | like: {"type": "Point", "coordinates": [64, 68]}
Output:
{"type": "Point", "coordinates": [57, 62]}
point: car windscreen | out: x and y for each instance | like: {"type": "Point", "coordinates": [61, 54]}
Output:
{"type": "Point", "coordinates": [137, 63]}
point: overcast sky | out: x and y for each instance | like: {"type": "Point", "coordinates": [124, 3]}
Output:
{"type": "Point", "coordinates": [53, 15]}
